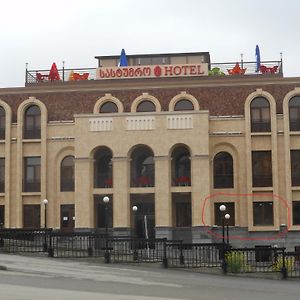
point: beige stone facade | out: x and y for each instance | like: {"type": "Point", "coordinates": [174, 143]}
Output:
{"type": "Point", "coordinates": [71, 124]}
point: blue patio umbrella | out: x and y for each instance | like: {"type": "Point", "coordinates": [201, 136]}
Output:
{"type": "Point", "coordinates": [257, 54]}
{"type": "Point", "coordinates": [123, 60]}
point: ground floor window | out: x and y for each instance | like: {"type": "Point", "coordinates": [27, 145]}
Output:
{"type": "Point", "coordinates": [2, 216]}
{"type": "Point", "coordinates": [263, 214]}
{"type": "Point", "coordinates": [31, 216]}
{"type": "Point", "coordinates": [67, 217]}
{"type": "Point", "coordinates": [263, 253]}
{"type": "Point", "coordinates": [296, 212]}
{"type": "Point", "coordinates": [143, 218]}
{"type": "Point", "coordinates": [219, 215]}
{"type": "Point", "coordinates": [104, 211]}
{"type": "Point", "coordinates": [182, 209]}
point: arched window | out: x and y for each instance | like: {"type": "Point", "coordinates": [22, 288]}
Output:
{"type": "Point", "coordinates": [142, 167]}
{"type": "Point", "coordinates": [103, 171]}
{"type": "Point", "coordinates": [2, 123]}
{"type": "Point", "coordinates": [109, 107]}
{"type": "Point", "coordinates": [223, 170]}
{"type": "Point", "coordinates": [183, 105]}
{"type": "Point", "coordinates": [294, 112]}
{"type": "Point", "coordinates": [146, 106]}
{"type": "Point", "coordinates": [32, 123]}
{"type": "Point", "coordinates": [67, 174]}
{"type": "Point", "coordinates": [260, 115]}
{"type": "Point", "coordinates": [181, 167]}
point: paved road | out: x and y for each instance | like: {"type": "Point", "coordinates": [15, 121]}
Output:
{"type": "Point", "coordinates": [32, 278]}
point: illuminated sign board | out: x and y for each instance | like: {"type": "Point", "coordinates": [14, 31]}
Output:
{"type": "Point", "coordinates": [153, 71]}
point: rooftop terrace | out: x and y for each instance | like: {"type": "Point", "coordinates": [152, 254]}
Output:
{"type": "Point", "coordinates": [155, 66]}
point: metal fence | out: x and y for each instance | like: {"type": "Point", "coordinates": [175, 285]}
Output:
{"type": "Point", "coordinates": [181, 255]}
{"type": "Point", "coordinates": [173, 254]}
{"type": "Point", "coordinates": [135, 250]}
{"type": "Point", "coordinates": [255, 260]}
{"type": "Point", "coordinates": [76, 244]}
{"type": "Point", "coordinates": [215, 69]}
{"type": "Point", "coordinates": [23, 240]}
{"type": "Point", "coordinates": [292, 262]}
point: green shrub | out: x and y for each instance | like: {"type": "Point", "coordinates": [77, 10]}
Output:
{"type": "Point", "coordinates": [278, 264]}
{"type": "Point", "coordinates": [237, 262]}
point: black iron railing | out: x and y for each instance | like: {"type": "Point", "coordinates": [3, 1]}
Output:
{"type": "Point", "coordinates": [23, 240]}
{"type": "Point", "coordinates": [256, 260]}
{"type": "Point", "coordinates": [181, 255]}
{"type": "Point", "coordinates": [215, 69]}
{"type": "Point", "coordinates": [174, 254]}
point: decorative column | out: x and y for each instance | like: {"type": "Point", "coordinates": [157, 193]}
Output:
{"type": "Point", "coordinates": [84, 204]}
{"type": "Point", "coordinates": [163, 199]}
{"type": "Point", "coordinates": [200, 190]}
{"type": "Point", "coordinates": [121, 207]}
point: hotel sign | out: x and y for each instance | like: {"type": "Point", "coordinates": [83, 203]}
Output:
{"type": "Point", "coordinates": [154, 71]}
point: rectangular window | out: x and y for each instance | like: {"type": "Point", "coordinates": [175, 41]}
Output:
{"type": "Point", "coordinates": [263, 214]}
{"type": "Point", "coordinates": [32, 174]}
{"type": "Point", "coordinates": [262, 169]}
{"type": "Point", "coordinates": [260, 119]}
{"type": "Point", "coordinates": [296, 212]}
{"type": "Point", "coordinates": [31, 216]}
{"type": "Point", "coordinates": [220, 215]}
{"type": "Point", "coordinates": [2, 216]}
{"type": "Point", "coordinates": [183, 214]}
{"type": "Point", "coordinates": [156, 60]}
{"type": "Point", "coordinates": [295, 167]}
{"type": "Point", "coordinates": [263, 254]}
{"type": "Point", "coordinates": [105, 215]}
{"type": "Point", "coordinates": [2, 175]}
{"type": "Point", "coordinates": [294, 119]}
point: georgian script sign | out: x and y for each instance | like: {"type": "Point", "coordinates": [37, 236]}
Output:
{"type": "Point", "coordinates": [154, 71]}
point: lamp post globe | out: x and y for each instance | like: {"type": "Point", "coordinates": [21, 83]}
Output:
{"type": "Point", "coordinates": [105, 199]}
{"type": "Point", "coordinates": [134, 208]}
{"type": "Point", "coordinates": [222, 207]}
{"type": "Point", "coordinates": [227, 216]}
{"type": "Point", "coordinates": [45, 201]}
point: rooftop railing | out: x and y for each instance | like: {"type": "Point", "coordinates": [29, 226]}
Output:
{"type": "Point", "coordinates": [215, 69]}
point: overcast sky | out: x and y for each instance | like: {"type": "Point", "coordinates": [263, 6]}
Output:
{"type": "Point", "coordinates": [42, 32]}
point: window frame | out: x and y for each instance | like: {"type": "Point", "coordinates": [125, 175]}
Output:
{"type": "Point", "coordinates": [146, 106]}
{"type": "Point", "coordinates": [32, 131]}
{"type": "Point", "coordinates": [296, 212]}
{"type": "Point", "coordinates": [259, 220]}
{"type": "Point", "coordinates": [31, 216]}
{"type": "Point", "coordinates": [108, 110]}
{"type": "Point", "coordinates": [2, 123]}
{"type": "Point", "coordinates": [262, 171]}
{"type": "Point", "coordinates": [67, 184]}
{"type": "Point", "coordinates": [183, 214]}
{"type": "Point", "coordinates": [223, 170]}
{"type": "Point", "coordinates": [2, 174]}
{"type": "Point", "coordinates": [184, 105]}
{"type": "Point", "coordinates": [260, 109]}
{"type": "Point", "coordinates": [35, 184]}
{"type": "Point", "coordinates": [294, 123]}
{"type": "Point", "coordinates": [230, 209]}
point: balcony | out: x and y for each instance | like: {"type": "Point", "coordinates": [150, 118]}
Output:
{"type": "Point", "coordinates": [269, 68]}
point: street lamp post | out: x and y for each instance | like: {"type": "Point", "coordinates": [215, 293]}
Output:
{"type": "Point", "coordinates": [227, 217]}
{"type": "Point", "coordinates": [106, 201]}
{"type": "Point", "coordinates": [45, 246]}
{"type": "Point", "coordinates": [135, 254]}
{"type": "Point", "coordinates": [134, 210]}
{"type": "Point", "coordinates": [222, 209]}
{"type": "Point", "coordinates": [106, 256]}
